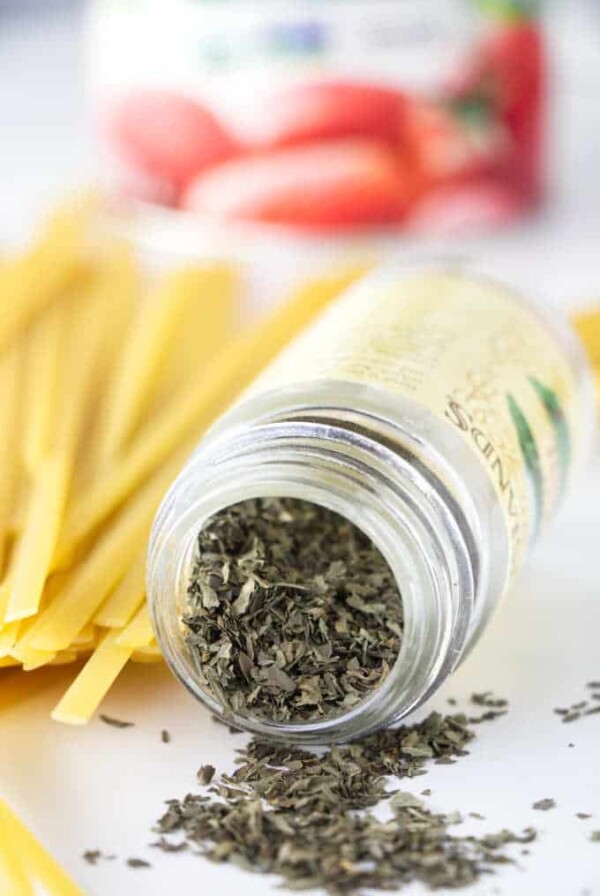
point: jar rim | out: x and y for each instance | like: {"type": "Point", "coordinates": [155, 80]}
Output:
{"type": "Point", "coordinates": [350, 474]}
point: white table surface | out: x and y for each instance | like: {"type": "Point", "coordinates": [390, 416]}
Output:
{"type": "Point", "coordinates": [98, 787]}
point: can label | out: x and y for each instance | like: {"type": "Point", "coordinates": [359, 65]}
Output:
{"type": "Point", "coordinates": [358, 114]}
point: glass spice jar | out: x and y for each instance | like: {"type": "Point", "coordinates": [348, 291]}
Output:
{"type": "Point", "coordinates": [440, 412]}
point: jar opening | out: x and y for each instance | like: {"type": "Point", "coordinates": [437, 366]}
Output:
{"type": "Point", "coordinates": [346, 473]}
{"type": "Point", "coordinates": [292, 613]}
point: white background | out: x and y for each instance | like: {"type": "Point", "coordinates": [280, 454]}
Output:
{"type": "Point", "coordinates": [98, 787]}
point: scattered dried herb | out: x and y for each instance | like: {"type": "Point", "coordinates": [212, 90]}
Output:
{"type": "Point", "coordinates": [165, 736]}
{"type": "Point", "coordinates": [205, 774]}
{"type": "Point", "coordinates": [306, 818]}
{"type": "Point", "coordinates": [582, 707]}
{"type": "Point", "coordinates": [166, 845]}
{"type": "Point", "coordinates": [487, 699]}
{"type": "Point", "coordinates": [495, 707]}
{"type": "Point", "coordinates": [544, 805]}
{"type": "Point", "coordinates": [293, 613]}
{"type": "Point", "coordinates": [93, 856]}
{"type": "Point", "coordinates": [583, 815]}
{"type": "Point", "coordinates": [595, 836]}
{"type": "Point", "coordinates": [115, 723]}
{"type": "Point", "coordinates": [138, 863]}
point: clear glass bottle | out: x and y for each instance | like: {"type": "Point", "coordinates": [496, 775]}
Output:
{"type": "Point", "coordinates": [438, 411]}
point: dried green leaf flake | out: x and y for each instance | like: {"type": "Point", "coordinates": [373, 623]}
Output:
{"type": "Point", "coordinates": [545, 804]}
{"type": "Point", "coordinates": [306, 816]}
{"type": "Point", "coordinates": [205, 774]}
{"type": "Point", "coordinates": [292, 614]}
{"type": "Point", "coordinates": [115, 723]}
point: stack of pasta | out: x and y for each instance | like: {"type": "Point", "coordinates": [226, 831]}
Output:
{"type": "Point", "coordinates": [106, 384]}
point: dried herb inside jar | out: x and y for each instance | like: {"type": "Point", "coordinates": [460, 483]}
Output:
{"type": "Point", "coordinates": [293, 613]}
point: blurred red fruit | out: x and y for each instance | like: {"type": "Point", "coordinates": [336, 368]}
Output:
{"type": "Point", "coordinates": [445, 146]}
{"type": "Point", "coordinates": [168, 136]}
{"type": "Point", "coordinates": [339, 184]}
{"type": "Point", "coordinates": [305, 113]}
{"type": "Point", "coordinates": [458, 208]}
{"type": "Point", "coordinates": [513, 61]}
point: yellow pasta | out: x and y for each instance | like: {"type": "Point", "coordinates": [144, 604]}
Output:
{"type": "Point", "coordinates": [119, 607]}
{"type": "Point", "coordinates": [150, 654]}
{"type": "Point", "coordinates": [198, 406]}
{"type": "Point", "coordinates": [34, 280]}
{"type": "Point", "coordinates": [8, 637]}
{"type": "Point", "coordinates": [41, 393]}
{"type": "Point", "coordinates": [83, 335]}
{"type": "Point", "coordinates": [139, 633]}
{"type": "Point", "coordinates": [36, 547]}
{"type": "Point", "coordinates": [9, 461]}
{"type": "Point", "coordinates": [208, 324]}
{"type": "Point", "coordinates": [32, 660]}
{"type": "Point", "coordinates": [118, 291]}
{"type": "Point", "coordinates": [151, 340]}
{"type": "Point", "coordinates": [65, 657]}
{"type": "Point", "coordinates": [14, 879]}
{"type": "Point", "coordinates": [37, 862]}
{"type": "Point", "coordinates": [587, 324]}
{"type": "Point", "coordinates": [85, 638]}
{"type": "Point", "coordinates": [101, 569]}
{"type": "Point", "coordinates": [4, 595]}
{"type": "Point", "coordinates": [87, 691]}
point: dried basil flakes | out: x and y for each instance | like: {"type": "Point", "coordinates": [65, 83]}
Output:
{"type": "Point", "coordinates": [293, 614]}
{"type": "Point", "coordinates": [307, 817]}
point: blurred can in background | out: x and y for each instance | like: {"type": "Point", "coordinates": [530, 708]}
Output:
{"type": "Point", "coordinates": [318, 120]}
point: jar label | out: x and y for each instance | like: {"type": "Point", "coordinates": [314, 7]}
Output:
{"type": "Point", "coordinates": [470, 352]}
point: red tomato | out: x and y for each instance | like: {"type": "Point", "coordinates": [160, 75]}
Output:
{"type": "Point", "coordinates": [168, 136]}
{"type": "Point", "coordinates": [309, 112]}
{"type": "Point", "coordinates": [445, 147]}
{"type": "Point", "coordinates": [513, 59]}
{"type": "Point", "coordinates": [335, 184]}
{"type": "Point", "coordinates": [458, 208]}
